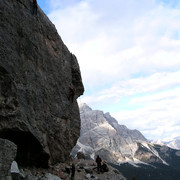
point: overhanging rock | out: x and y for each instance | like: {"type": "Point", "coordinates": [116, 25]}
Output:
{"type": "Point", "coordinates": [36, 71]}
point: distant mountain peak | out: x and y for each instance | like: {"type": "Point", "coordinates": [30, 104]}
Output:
{"type": "Point", "coordinates": [84, 107]}
{"type": "Point", "coordinates": [102, 133]}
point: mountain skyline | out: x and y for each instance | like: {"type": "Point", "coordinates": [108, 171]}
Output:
{"type": "Point", "coordinates": [101, 134]}
{"type": "Point", "coordinates": [172, 143]}
{"type": "Point", "coordinates": [127, 150]}
{"type": "Point", "coordinates": [128, 53]}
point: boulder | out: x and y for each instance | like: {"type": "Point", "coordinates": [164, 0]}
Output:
{"type": "Point", "coordinates": [30, 177]}
{"type": "Point", "coordinates": [15, 173]}
{"type": "Point", "coordinates": [91, 177]}
{"type": "Point", "coordinates": [36, 72]}
{"type": "Point", "coordinates": [88, 170]}
{"type": "Point", "coordinates": [80, 155]}
{"type": "Point", "coordinates": [49, 176]}
{"type": "Point", "coordinates": [7, 154]}
{"type": "Point", "coordinates": [14, 168]}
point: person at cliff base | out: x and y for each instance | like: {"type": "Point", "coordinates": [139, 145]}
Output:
{"type": "Point", "coordinates": [98, 161]}
{"type": "Point", "coordinates": [104, 167]}
{"type": "Point", "coordinates": [72, 171]}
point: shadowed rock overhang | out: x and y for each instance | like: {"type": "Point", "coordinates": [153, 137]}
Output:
{"type": "Point", "coordinates": [29, 150]}
{"type": "Point", "coordinates": [36, 72]}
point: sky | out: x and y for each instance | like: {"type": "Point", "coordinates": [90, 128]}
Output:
{"type": "Point", "coordinates": [129, 57]}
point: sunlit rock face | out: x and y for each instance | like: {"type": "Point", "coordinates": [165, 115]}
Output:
{"type": "Point", "coordinates": [101, 134]}
{"type": "Point", "coordinates": [36, 71]}
{"type": "Point", "coordinates": [175, 144]}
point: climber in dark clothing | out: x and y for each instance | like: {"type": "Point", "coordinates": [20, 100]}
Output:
{"type": "Point", "coordinates": [72, 171]}
{"type": "Point", "coordinates": [71, 94]}
{"type": "Point", "coordinates": [104, 167]}
{"type": "Point", "coordinates": [98, 161]}
{"type": "Point", "coordinates": [35, 7]}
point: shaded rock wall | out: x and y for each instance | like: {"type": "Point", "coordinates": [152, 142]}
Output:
{"type": "Point", "coordinates": [36, 70]}
{"type": "Point", "coordinates": [7, 154]}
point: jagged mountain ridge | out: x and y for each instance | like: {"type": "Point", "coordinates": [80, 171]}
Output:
{"type": "Point", "coordinates": [101, 134]}
{"type": "Point", "coordinates": [175, 143]}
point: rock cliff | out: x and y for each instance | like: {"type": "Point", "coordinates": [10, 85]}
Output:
{"type": "Point", "coordinates": [36, 72]}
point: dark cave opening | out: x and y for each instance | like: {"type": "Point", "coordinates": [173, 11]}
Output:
{"type": "Point", "coordinates": [29, 150]}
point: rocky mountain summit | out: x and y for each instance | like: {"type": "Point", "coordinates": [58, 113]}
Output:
{"type": "Point", "coordinates": [37, 73]}
{"type": "Point", "coordinates": [174, 143]}
{"type": "Point", "coordinates": [101, 134]}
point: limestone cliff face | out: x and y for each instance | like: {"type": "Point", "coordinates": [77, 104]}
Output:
{"type": "Point", "coordinates": [101, 134]}
{"type": "Point", "coordinates": [36, 71]}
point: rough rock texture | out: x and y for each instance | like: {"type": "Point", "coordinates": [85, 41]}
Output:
{"type": "Point", "coordinates": [86, 169]}
{"type": "Point", "coordinates": [7, 154]}
{"type": "Point", "coordinates": [49, 176]}
{"type": "Point", "coordinates": [36, 71]}
{"type": "Point", "coordinates": [83, 168]}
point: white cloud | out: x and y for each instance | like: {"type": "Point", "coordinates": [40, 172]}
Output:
{"type": "Point", "coordinates": [125, 49]}
{"type": "Point", "coordinates": [108, 50]}
{"type": "Point", "coordinates": [158, 103]}
{"type": "Point", "coordinates": [159, 115]}
{"type": "Point", "coordinates": [137, 86]}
